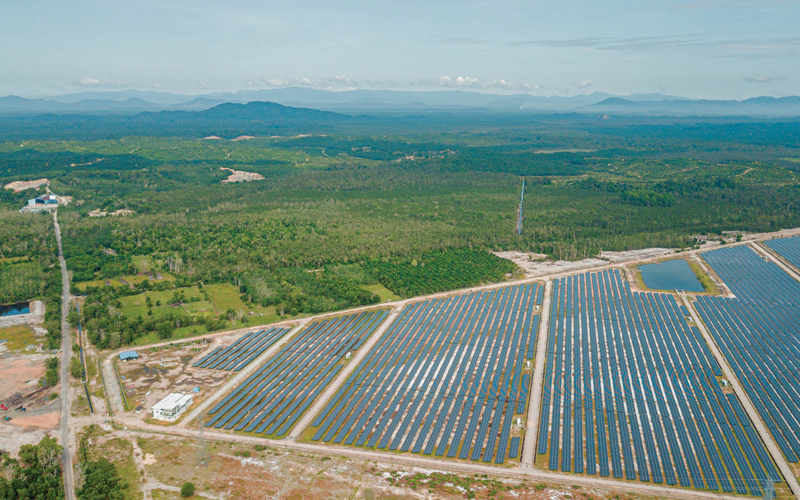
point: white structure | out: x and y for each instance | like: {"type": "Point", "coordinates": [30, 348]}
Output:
{"type": "Point", "coordinates": [171, 406]}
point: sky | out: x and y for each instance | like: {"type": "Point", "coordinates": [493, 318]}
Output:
{"type": "Point", "coordinates": [714, 49]}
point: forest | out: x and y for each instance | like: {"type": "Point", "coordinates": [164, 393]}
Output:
{"type": "Point", "coordinates": [349, 218]}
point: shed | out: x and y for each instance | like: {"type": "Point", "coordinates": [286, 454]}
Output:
{"type": "Point", "coordinates": [125, 356]}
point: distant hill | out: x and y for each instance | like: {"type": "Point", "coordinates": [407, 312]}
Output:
{"type": "Point", "coordinates": [394, 102]}
{"type": "Point", "coordinates": [757, 106]}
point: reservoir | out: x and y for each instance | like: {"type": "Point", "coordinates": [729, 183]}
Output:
{"type": "Point", "coordinates": [670, 275]}
{"type": "Point", "coordinates": [14, 309]}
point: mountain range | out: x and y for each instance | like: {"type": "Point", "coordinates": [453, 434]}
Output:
{"type": "Point", "coordinates": [390, 102]}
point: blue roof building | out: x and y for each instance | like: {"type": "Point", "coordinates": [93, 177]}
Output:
{"type": "Point", "coordinates": [125, 356]}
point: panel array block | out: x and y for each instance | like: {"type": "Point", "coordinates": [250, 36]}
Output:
{"type": "Point", "coordinates": [630, 391]}
{"type": "Point", "coordinates": [242, 352]}
{"type": "Point", "coordinates": [272, 399]}
{"type": "Point", "coordinates": [758, 332]}
{"type": "Point", "coordinates": [446, 379]}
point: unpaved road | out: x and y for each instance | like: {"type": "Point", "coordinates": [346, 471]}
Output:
{"type": "Point", "coordinates": [66, 351]}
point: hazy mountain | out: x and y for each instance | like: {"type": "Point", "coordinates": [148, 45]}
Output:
{"type": "Point", "coordinates": [391, 102]}
{"type": "Point", "coordinates": [757, 106]}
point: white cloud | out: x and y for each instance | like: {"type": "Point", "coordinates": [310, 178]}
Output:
{"type": "Point", "coordinates": [765, 79]}
{"type": "Point", "coordinates": [341, 82]}
{"type": "Point", "coordinates": [583, 84]}
{"type": "Point", "coordinates": [89, 81]}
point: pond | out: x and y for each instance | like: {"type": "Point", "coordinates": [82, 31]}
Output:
{"type": "Point", "coordinates": [670, 275]}
{"type": "Point", "coordinates": [14, 309]}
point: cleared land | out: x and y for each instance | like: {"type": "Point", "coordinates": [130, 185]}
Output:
{"type": "Point", "coordinates": [631, 390]}
{"type": "Point", "coordinates": [448, 376]}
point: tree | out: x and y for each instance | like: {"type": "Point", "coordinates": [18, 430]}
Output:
{"type": "Point", "coordinates": [75, 367]}
{"type": "Point", "coordinates": [101, 482]}
{"type": "Point", "coordinates": [37, 473]}
{"type": "Point", "coordinates": [51, 372]}
{"type": "Point", "coordinates": [187, 490]}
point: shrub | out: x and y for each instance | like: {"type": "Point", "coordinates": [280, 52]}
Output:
{"type": "Point", "coordinates": [187, 490]}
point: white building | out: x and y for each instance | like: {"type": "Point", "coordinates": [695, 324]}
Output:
{"type": "Point", "coordinates": [171, 406]}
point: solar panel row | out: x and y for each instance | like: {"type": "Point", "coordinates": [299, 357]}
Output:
{"type": "Point", "coordinates": [759, 334]}
{"type": "Point", "coordinates": [273, 398]}
{"type": "Point", "coordinates": [446, 377]}
{"type": "Point", "coordinates": [239, 354]}
{"type": "Point", "coordinates": [630, 391]}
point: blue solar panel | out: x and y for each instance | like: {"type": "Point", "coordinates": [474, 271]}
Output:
{"type": "Point", "coordinates": [448, 378]}
{"type": "Point", "coordinates": [272, 399]}
{"type": "Point", "coordinates": [630, 391]}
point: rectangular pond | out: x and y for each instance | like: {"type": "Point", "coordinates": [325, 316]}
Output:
{"type": "Point", "coordinates": [670, 275]}
{"type": "Point", "coordinates": [14, 309]}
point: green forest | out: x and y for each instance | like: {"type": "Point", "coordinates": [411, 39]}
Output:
{"type": "Point", "coordinates": [343, 218]}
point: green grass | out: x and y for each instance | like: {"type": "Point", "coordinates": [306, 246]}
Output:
{"type": "Point", "coordinates": [225, 296]}
{"type": "Point", "coordinates": [18, 337]}
{"type": "Point", "coordinates": [116, 282]}
{"type": "Point", "coordinates": [13, 260]}
{"type": "Point", "coordinates": [136, 305]}
{"type": "Point", "coordinates": [793, 160]}
{"type": "Point", "coordinates": [381, 291]}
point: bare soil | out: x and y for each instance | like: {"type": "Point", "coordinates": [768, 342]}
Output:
{"type": "Point", "coordinates": [242, 472]}
{"type": "Point", "coordinates": [241, 176]}
{"type": "Point", "coordinates": [23, 185]}
{"type": "Point", "coordinates": [164, 370]}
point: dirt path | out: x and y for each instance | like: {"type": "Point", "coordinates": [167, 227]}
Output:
{"type": "Point", "coordinates": [532, 425]}
{"type": "Point", "coordinates": [66, 351]}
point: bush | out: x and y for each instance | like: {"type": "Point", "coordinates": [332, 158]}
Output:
{"type": "Point", "coordinates": [187, 490]}
{"type": "Point", "coordinates": [51, 373]}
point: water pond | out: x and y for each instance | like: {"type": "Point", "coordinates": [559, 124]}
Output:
{"type": "Point", "coordinates": [670, 275]}
{"type": "Point", "coordinates": [14, 309]}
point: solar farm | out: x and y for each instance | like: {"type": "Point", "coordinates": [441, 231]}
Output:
{"type": "Point", "coordinates": [630, 388]}
{"type": "Point", "coordinates": [758, 331]}
{"type": "Point", "coordinates": [631, 391]}
{"type": "Point", "coordinates": [277, 394]}
{"type": "Point", "coordinates": [449, 377]}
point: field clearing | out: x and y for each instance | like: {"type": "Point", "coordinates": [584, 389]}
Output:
{"type": "Point", "coordinates": [381, 291]}
{"type": "Point", "coordinates": [224, 296]}
{"type": "Point", "coordinates": [124, 281]}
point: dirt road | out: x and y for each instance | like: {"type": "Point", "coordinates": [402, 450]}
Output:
{"type": "Point", "coordinates": [66, 351]}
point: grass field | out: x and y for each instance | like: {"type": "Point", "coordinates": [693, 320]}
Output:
{"type": "Point", "coordinates": [122, 281]}
{"type": "Point", "coordinates": [381, 291]}
{"type": "Point", "coordinates": [18, 337]}
{"type": "Point", "coordinates": [224, 297]}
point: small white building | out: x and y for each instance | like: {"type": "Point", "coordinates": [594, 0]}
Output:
{"type": "Point", "coordinates": [172, 406]}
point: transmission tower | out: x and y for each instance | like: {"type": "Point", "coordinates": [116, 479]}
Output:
{"type": "Point", "coordinates": [202, 446]}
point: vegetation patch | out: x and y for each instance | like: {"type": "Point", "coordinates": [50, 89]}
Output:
{"type": "Point", "coordinates": [442, 271]}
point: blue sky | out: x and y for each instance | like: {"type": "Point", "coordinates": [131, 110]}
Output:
{"type": "Point", "coordinates": [701, 49]}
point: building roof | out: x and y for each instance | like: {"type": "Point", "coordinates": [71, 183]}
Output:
{"type": "Point", "coordinates": [172, 401]}
{"type": "Point", "coordinates": [128, 355]}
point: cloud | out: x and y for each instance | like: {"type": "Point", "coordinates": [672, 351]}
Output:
{"type": "Point", "coordinates": [342, 82]}
{"type": "Point", "coordinates": [458, 41]}
{"type": "Point", "coordinates": [678, 44]}
{"type": "Point", "coordinates": [583, 84]}
{"type": "Point", "coordinates": [88, 81]}
{"type": "Point", "coordinates": [765, 79]}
